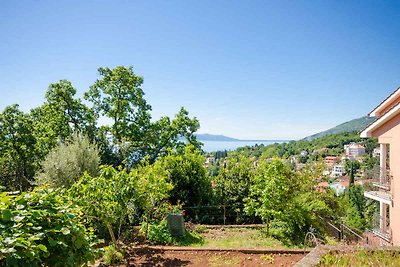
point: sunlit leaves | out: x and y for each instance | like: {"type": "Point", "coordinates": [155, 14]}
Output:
{"type": "Point", "coordinates": [37, 229]}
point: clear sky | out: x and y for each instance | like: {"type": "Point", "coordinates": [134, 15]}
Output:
{"type": "Point", "coordinates": [246, 69]}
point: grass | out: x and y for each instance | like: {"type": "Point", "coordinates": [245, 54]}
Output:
{"type": "Point", "coordinates": [189, 239]}
{"type": "Point", "coordinates": [362, 258]}
{"type": "Point", "coordinates": [239, 238]}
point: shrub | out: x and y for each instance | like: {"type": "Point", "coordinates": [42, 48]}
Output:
{"type": "Point", "coordinates": [66, 163]}
{"type": "Point", "coordinates": [42, 227]}
{"type": "Point", "coordinates": [112, 255]}
{"type": "Point", "coordinates": [115, 194]}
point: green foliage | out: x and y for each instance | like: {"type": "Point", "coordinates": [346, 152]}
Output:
{"type": "Point", "coordinates": [355, 125]}
{"type": "Point", "coordinates": [188, 176]}
{"type": "Point", "coordinates": [66, 163]}
{"type": "Point", "coordinates": [68, 114]}
{"type": "Point", "coordinates": [42, 228]}
{"type": "Point", "coordinates": [109, 198]}
{"type": "Point", "coordinates": [286, 202]}
{"type": "Point", "coordinates": [60, 117]}
{"type": "Point", "coordinates": [112, 255]}
{"type": "Point", "coordinates": [271, 191]}
{"type": "Point", "coordinates": [18, 153]}
{"type": "Point", "coordinates": [232, 184]}
{"type": "Point", "coordinates": [351, 167]}
{"type": "Point", "coordinates": [158, 233]}
{"type": "Point", "coordinates": [362, 258]}
{"type": "Point", "coordinates": [118, 95]}
{"type": "Point", "coordinates": [166, 135]}
{"type": "Point", "coordinates": [155, 228]}
{"type": "Point", "coordinates": [358, 211]}
{"type": "Point", "coordinates": [334, 145]}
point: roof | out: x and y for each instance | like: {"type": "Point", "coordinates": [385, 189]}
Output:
{"type": "Point", "coordinates": [385, 102]}
{"type": "Point", "coordinates": [367, 132]}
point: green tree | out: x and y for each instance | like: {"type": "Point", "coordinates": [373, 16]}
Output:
{"type": "Point", "coordinates": [18, 154]}
{"type": "Point", "coordinates": [68, 110]}
{"type": "Point", "coordinates": [188, 176]}
{"type": "Point", "coordinates": [351, 167]}
{"type": "Point", "coordinates": [232, 184]}
{"type": "Point", "coordinates": [60, 117]}
{"type": "Point", "coordinates": [118, 95]}
{"type": "Point", "coordinates": [272, 189]}
{"type": "Point", "coordinates": [116, 195]}
{"type": "Point", "coordinates": [166, 135]}
{"type": "Point", "coordinates": [287, 201]}
{"type": "Point", "coordinates": [67, 162]}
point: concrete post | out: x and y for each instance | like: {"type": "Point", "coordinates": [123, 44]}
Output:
{"type": "Point", "coordinates": [382, 163]}
{"type": "Point", "coordinates": [382, 216]}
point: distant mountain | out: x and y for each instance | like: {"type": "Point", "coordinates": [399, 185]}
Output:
{"type": "Point", "coordinates": [350, 126]}
{"type": "Point", "coordinates": [214, 137]}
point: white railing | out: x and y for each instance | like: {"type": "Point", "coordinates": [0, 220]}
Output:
{"type": "Point", "coordinates": [381, 178]}
{"type": "Point", "coordinates": [381, 227]}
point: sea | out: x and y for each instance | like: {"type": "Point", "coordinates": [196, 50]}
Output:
{"type": "Point", "coordinates": [212, 146]}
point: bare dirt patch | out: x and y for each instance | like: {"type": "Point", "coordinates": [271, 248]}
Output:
{"type": "Point", "coordinates": [154, 257]}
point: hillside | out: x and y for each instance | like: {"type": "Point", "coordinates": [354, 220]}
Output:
{"type": "Point", "coordinates": [350, 126]}
{"type": "Point", "coordinates": [213, 137]}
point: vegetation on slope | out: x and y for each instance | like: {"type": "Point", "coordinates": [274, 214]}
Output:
{"type": "Point", "coordinates": [355, 125]}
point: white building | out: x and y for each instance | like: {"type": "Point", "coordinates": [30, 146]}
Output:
{"type": "Point", "coordinates": [354, 150]}
{"type": "Point", "coordinates": [338, 170]}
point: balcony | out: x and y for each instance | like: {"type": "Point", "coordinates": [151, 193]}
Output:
{"type": "Point", "coordinates": [381, 227]}
{"type": "Point", "coordinates": [382, 179]}
{"type": "Point", "coordinates": [380, 196]}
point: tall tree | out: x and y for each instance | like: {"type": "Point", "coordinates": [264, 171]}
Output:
{"type": "Point", "coordinates": [351, 167]}
{"type": "Point", "coordinates": [70, 110]}
{"type": "Point", "coordinates": [18, 155]}
{"type": "Point", "coordinates": [60, 116]}
{"type": "Point", "coordinates": [166, 135]}
{"type": "Point", "coordinates": [118, 95]}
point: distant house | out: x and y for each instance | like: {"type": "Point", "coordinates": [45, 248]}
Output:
{"type": "Point", "coordinates": [331, 160]}
{"type": "Point", "coordinates": [304, 153]}
{"type": "Point", "coordinates": [354, 150]}
{"type": "Point", "coordinates": [386, 128]}
{"type": "Point", "coordinates": [340, 187]}
{"type": "Point", "coordinates": [337, 170]}
{"type": "Point", "coordinates": [209, 160]}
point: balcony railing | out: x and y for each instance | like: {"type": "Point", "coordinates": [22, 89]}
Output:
{"type": "Point", "coordinates": [381, 227]}
{"type": "Point", "coordinates": [380, 196]}
{"type": "Point", "coordinates": [381, 178]}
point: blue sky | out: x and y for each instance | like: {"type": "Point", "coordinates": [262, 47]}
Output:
{"type": "Point", "coordinates": [246, 69]}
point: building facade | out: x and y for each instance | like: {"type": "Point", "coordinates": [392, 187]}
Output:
{"type": "Point", "coordinates": [386, 191]}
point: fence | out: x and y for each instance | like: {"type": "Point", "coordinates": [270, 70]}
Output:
{"type": "Point", "coordinates": [219, 214]}
{"type": "Point", "coordinates": [342, 232]}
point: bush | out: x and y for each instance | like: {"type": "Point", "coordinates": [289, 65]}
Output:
{"type": "Point", "coordinates": [42, 228]}
{"type": "Point", "coordinates": [112, 255]}
{"type": "Point", "coordinates": [66, 163]}
{"type": "Point", "coordinates": [117, 197]}
{"type": "Point", "coordinates": [158, 233]}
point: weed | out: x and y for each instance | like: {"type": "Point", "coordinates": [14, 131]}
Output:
{"type": "Point", "coordinates": [200, 229]}
{"type": "Point", "coordinates": [362, 258]}
{"type": "Point", "coordinates": [223, 260]}
{"type": "Point", "coordinates": [268, 258]}
{"type": "Point", "coordinates": [112, 255]}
